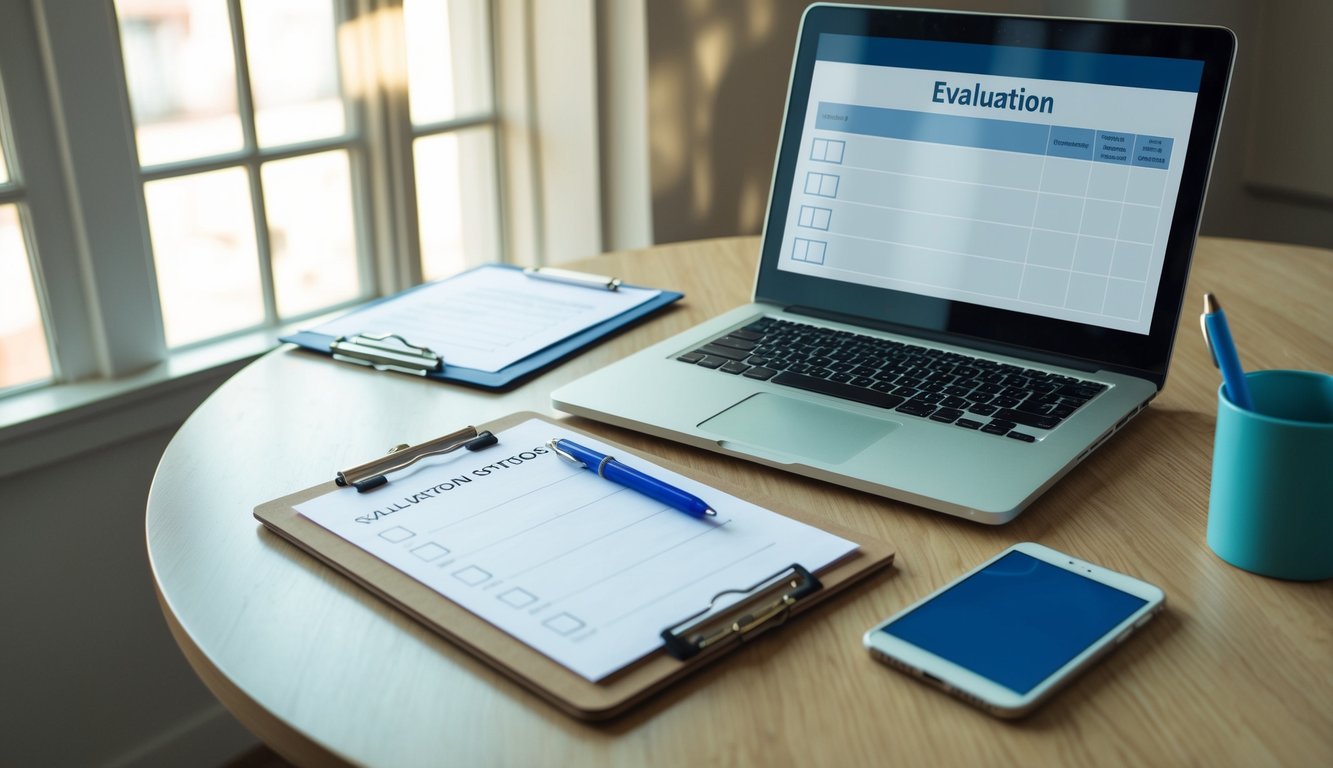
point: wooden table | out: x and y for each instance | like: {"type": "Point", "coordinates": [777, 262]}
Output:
{"type": "Point", "coordinates": [1237, 671]}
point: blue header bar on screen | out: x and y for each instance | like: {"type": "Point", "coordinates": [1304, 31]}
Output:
{"type": "Point", "coordinates": [1153, 72]}
{"type": "Point", "coordinates": [980, 132]}
{"type": "Point", "coordinates": [1115, 147]}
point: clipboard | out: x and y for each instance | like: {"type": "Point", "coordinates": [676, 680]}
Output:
{"type": "Point", "coordinates": [395, 352]}
{"type": "Point", "coordinates": [688, 645]}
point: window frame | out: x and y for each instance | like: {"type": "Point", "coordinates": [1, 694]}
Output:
{"type": "Point", "coordinates": [14, 193]}
{"type": "Point", "coordinates": [37, 167]}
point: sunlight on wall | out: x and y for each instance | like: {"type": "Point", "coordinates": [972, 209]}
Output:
{"type": "Point", "coordinates": [716, 76]}
{"type": "Point", "coordinates": [666, 140]}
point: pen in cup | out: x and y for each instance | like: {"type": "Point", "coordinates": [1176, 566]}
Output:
{"type": "Point", "coordinates": [1217, 335]}
{"type": "Point", "coordinates": [617, 472]}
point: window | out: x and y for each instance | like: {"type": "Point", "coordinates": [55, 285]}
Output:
{"type": "Point", "coordinates": [23, 352]}
{"type": "Point", "coordinates": [450, 100]}
{"type": "Point", "coordinates": [253, 153]}
{"type": "Point", "coordinates": [245, 150]}
{"type": "Point", "coordinates": [276, 161]}
{"type": "Point", "coordinates": [24, 357]}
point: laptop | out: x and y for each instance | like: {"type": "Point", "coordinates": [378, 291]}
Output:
{"type": "Point", "coordinates": [973, 261]}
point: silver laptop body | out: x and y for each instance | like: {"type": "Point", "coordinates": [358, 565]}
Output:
{"type": "Point", "coordinates": [892, 118]}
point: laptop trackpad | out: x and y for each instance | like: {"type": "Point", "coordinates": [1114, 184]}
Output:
{"type": "Point", "coordinates": [781, 426]}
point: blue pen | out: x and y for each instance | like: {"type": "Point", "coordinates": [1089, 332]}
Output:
{"type": "Point", "coordinates": [607, 467]}
{"type": "Point", "coordinates": [1218, 337]}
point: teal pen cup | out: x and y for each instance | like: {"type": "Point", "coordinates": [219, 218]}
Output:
{"type": "Point", "coordinates": [1270, 504]}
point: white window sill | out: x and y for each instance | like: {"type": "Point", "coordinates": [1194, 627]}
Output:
{"type": "Point", "coordinates": [53, 423]}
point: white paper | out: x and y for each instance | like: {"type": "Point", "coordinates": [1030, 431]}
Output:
{"type": "Point", "coordinates": [489, 318]}
{"type": "Point", "coordinates": [583, 570]}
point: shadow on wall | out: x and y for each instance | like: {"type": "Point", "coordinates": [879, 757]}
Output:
{"type": "Point", "coordinates": [717, 80]}
{"type": "Point", "coordinates": [714, 106]}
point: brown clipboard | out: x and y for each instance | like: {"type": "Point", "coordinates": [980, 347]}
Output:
{"type": "Point", "coordinates": [770, 605]}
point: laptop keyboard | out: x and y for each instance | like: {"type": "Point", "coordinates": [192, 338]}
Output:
{"type": "Point", "coordinates": [934, 384]}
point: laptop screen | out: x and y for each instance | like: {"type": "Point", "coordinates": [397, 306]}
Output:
{"type": "Point", "coordinates": [1019, 193]}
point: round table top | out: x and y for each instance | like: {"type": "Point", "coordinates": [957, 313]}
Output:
{"type": "Point", "coordinates": [1235, 671]}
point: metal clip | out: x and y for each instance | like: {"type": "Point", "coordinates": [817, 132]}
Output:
{"type": "Point", "coordinates": [776, 596]}
{"type": "Point", "coordinates": [553, 444]}
{"type": "Point", "coordinates": [371, 474]}
{"type": "Point", "coordinates": [379, 352]}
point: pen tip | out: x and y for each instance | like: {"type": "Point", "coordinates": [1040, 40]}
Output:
{"type": "Point", "coordinates": [709, 512]}
{"type": "Point", "coordinates": [1210, 304]}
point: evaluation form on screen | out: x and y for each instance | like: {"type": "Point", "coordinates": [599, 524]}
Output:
{"type": "Point", "coordinates": [1023, 179]}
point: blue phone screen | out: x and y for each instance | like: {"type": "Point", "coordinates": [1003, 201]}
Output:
{"type": "Point", "coordinates": [1016, 621]}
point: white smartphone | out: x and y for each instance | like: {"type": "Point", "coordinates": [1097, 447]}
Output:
{"type": "Point", "coordinates": [1007, 635]}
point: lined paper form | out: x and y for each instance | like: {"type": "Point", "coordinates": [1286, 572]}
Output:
{"type": "Point", "coordinates": [489, 317]}
{"type": "Point", "coordinates": [582, 570]}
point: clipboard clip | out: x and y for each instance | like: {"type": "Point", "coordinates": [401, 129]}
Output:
{"type": "Point", "coordinates": [774, 597]}
{"type": "Point", "coordinates": [386, 352]}
{"type": "Point", "coordinates": [371, 475]}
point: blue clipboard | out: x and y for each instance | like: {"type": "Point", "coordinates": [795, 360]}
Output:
{"type": "Point", "coordinates": [512, 374]}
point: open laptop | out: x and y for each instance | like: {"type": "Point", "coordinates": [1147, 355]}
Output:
{"type": "Point", "coordinates": [973, 261]}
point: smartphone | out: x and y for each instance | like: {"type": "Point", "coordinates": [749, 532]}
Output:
{"type": "Point", "coordinates": [1008, 634]}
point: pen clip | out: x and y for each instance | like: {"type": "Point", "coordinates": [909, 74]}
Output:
{"type": "Point", "coordinates": [558, 275]}
{"type": "Point", "coordinates": [1210, 308]}
{"type": "Point", "coordinates": [558, 451]}
{"type": "Point", "coordinates": [576, 461]}
{"type": "Point", "coordinates": [1208, 341]}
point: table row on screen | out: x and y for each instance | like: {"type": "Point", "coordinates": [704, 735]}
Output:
{"type": "Point", "coordinates": [950, 169]}
{"type": "Point", "coordinates": [1089, 282]}
{"type": "Point", "coordinates": [1049, 226]}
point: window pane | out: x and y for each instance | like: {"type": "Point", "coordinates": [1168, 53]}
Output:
{"type": "Point", "coordinates": [24, 357]}
{"type": "Point", "coordinates": [311, 232]}
{"type": "Point", "coordinates": [456, 201]}
{"type": "Point", "coordinates": [293, 70]}
{"type": "Point", "coordinates": [182, 78]}
{"type": "Point", "coordinates": [204, 246]}
{"type": "Point", "coordinates": [448, 59]}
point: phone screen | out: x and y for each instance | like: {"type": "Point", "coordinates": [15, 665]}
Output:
{"type": "Point", "coordinates": [1016, 621]}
